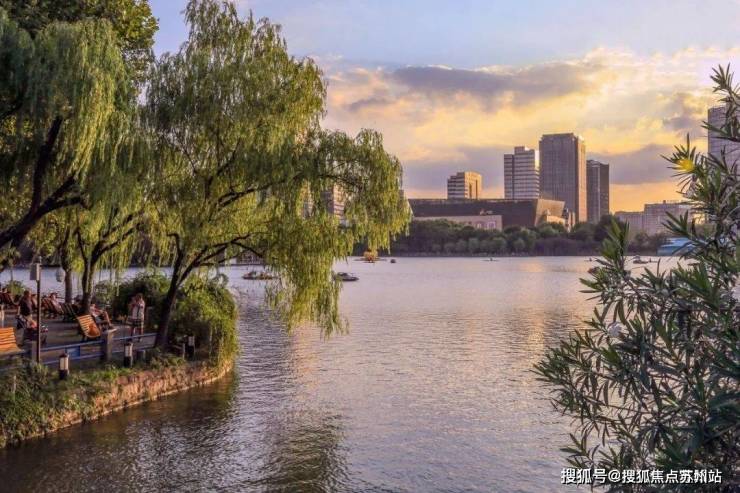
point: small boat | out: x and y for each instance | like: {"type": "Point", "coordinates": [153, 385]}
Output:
{"type": "Point", "coordinates": [345, 277]}
{"type": "Point", "coordinates": [675, 246]}
{"type": "Point", "coordinates": [638, 260]}
{"type": "Point", "coordinates": [254, 275]}
{"type": "Point", "coordinates": [490, 260]}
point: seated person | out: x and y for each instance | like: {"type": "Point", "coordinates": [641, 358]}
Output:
{"type": "Point", "coordinates": [54, 301]}
{"type": "Point", "coordinates": [101, 317]}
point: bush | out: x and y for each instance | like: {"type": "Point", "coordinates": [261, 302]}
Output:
{"type": "Point", "coordinates": [15, 288]}
{"type": "Point", "coordinates": [153, 285]}
{"type": "Point", "coordinates": [104, 293]}
{"type": "Point", "coordinates": [654, 381]}
{"type": "Point", "coordinates": [206, 309]}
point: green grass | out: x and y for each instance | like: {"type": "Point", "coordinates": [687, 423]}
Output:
{"type": "Point", "coordinates": [33, 400]}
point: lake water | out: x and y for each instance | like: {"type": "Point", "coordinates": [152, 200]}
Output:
{"type": "Point", "coordinates": [431, 390]}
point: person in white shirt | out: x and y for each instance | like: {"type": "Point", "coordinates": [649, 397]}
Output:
{"type": "Point", "coordinates": [136, 309]}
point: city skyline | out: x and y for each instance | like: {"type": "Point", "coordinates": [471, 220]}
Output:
{"type": "Point", "coordinates": [450, 99]}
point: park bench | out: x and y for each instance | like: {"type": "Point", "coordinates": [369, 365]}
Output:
{"type": "Point", "coordinates": [8, 346]}
{"type": "Point", "coordinates": [51, 308]}
{"type": "Point", "coordinates": [7, 299]}
{"type": "Point", "coordinates": [88, 328]}
{"type": "Point", "coordinates": [70, 315]}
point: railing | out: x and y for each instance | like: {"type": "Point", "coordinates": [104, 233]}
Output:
{"type": "Point", "coordinates": [105, 348]}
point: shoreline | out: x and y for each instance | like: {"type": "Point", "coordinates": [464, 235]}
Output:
{"type": "Point", "coordinates": [79, 405]}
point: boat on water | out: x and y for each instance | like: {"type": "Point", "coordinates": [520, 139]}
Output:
{"type": "Point", "coordinates": [675, 246]}
{"type": "Point", "coordinates": [639, 260]}
{"type": "Point", "coordinates": [345, 277]}
{"type": "Point", "coordinates": [254, 275]}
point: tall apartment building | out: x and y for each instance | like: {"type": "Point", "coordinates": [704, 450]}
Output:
{"type": "Point", "coordinates": [597, 189]}
{"type": "Point", "coordinates": [715, 145]}
{"type": "Point", "coordinates": [563, 172]}
{"type": "Point", "coordinates": [522, 174]}
{"type": "Point", "coordinates": [464, 185]}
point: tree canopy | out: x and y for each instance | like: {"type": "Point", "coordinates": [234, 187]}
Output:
{"type": "Point", "coordinates": [132, 21]}
{"type": "Point", "coordinates": [244, 163]}
{"type": "Point", "coordinates": [62, 93]}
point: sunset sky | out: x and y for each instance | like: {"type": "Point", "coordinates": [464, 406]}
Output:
{"type": "Point", "coordinates": [453, 85]}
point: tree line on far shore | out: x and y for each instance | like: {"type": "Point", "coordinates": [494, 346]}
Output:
{"type": "Point", "coordinates": [443, 237]}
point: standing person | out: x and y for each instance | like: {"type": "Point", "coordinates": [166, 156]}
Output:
{"type": "Point", "coordinates": [136, 309]}
{"type": "Point", "coordinates": [26, 307]}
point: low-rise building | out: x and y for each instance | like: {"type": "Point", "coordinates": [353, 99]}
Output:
{"type": "Point", "coordinates": [654, 216]}
{"type": "Point", "coordinates": [489, 213]}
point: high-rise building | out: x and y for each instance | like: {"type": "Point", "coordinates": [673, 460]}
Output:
{"type": "Point", "coordinates": [464, 185]}
{"type": "Point", "coordinates": [563, 171]}
{"type": "Point", "coordinates": [522, 174]}
{"type": "Point", "coordinates": [597, 190]}
{"type": "Point", "coordinates": [716, 118]}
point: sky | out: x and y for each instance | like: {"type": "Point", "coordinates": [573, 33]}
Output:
{"type": "Point", "coordinates": [454, 85]}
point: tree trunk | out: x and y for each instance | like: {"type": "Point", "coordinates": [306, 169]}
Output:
{"type": "Point", "coordinates": [66, 263]}
{"type": "Point", "coordinates": [165, 314]}
{"type": "Point", "coordinates": [68, 287]}
{"type": "Point", "coordinates": [87, 285]}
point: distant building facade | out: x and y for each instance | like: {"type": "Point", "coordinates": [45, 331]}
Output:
{"type": "Point", "coordinates": [597, 190]}
{"type": "Point", "coordinates": [489, 213]}
{"type": "Point", "coordinates": [522, 174]}
{"type": "Point", "coordinates": [563, 172]}
{"type": "Point", "coordinates": [633, 219]}
{"type": "Point", "coordinates": [654, 216]}
{"type": "Point", "coordinates": [715, 145]}
{"type": "Point", "coordinates": [464, 185]}
{"type": "Point", "coordinates": [333, 199]}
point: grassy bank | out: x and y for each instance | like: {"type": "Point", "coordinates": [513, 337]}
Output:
{"type": "Point", "coordinates": [34, 403]}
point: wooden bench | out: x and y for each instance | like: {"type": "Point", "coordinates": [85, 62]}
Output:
{"type": "Point", "coordinates": [8, 346]}
{"type": "Point", "coordinates": [7, 299]}
{"type": "Point", "coordinates": [70, 315]}
{"type": "Point", "coordinates": [88, 328]}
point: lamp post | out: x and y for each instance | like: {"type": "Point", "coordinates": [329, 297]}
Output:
{"type": "Point", "coordinates": [63, 366]}
{"type": "Point", "coordinates": [36, 276]}
{"type": "Point", "coordinates": [128, 355]}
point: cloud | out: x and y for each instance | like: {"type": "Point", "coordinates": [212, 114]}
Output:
{"type": "Point", "coordinates": [630, 109]}
{"type": "Point", "coordinates": [642, 166]}
{"type": "Point", "coordinates": [492, 84]}
{"type": "Point", "coordinates": [424, 174]}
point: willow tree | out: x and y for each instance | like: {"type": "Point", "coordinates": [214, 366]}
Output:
{"type": "Point", "coordinates": [654, 382]}
{"type": "Point", "coordinates": [132, 22]}
{"type": "Point", "coordinates": [109, 225]}
{"type": "Point", "coordinates": [59, 92]}
{"type": "Point", "coordinates": [243, 163]}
